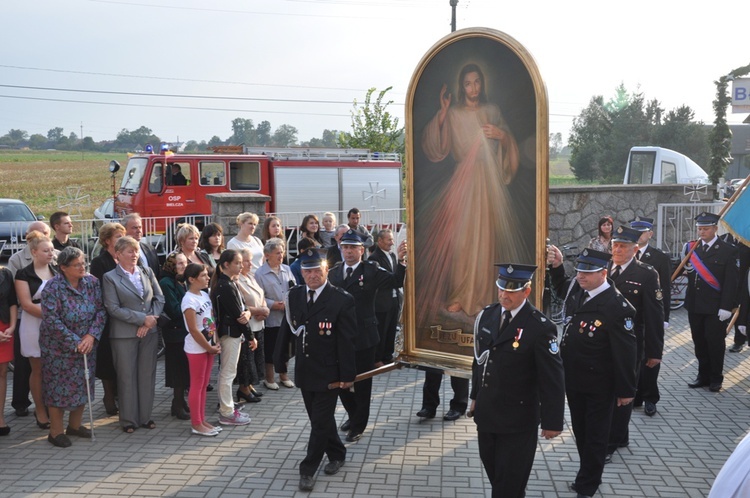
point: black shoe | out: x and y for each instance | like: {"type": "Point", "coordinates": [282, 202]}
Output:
{"type": "Point", "coordinates": [573, 487]}
{"type": "Point", "coordinates": [579, 495]}
{"type": "Point", "coordinates": [41, 425]}
{"type": "Point", "coordinates": [22, 412]}
{"type": "Point", "coordinates": [306, 483]}
{"type": "Point", "coordinates": [650, 409]}
{"type": "Point", "coordinates": [110, 406]}
{"type": "Point", "coordinates": [82, 431]}
{"type": "Point", "coordinates": [333, 467]}
{"type": "Point", "coordinates": [249, 397]}
{"type": "Point", "coordinates": [426, 413]}
{"type": "Point", "coordinates": [61, 440]}
{"type": "Point", "coordinates": [353, 436]}
{"type": "Point", "coordinates": [715, 387]}
{"type": "Point", "coordinates": [608, 458]}
{"type": "Point", "coordinates": [346, 426]}
{"type": "Point", "coordinates": [452, 415]}
{"type": "Point", "coordinates": [255, 393]}
{"type": "Point", "coordinates": [209, 388]}
{"type": "Point", "coordinates": [698, 382]}
{"type": "Point", "coordinates": [180, 413]}
{"type": "Point", "coordinates": [4, 431]}
{"type": "Point", "coordinates": [736, 348]}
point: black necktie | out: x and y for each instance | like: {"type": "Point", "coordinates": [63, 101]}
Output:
{"type": "Point", "coordinates": [585, 297]}
{"type": "Point", "coordinates": [705, 248]}
{"type": "Point", "coordinates": [311, 297]}
{"type": "Point", "coordinates": [349, 271]}
{"type": "Point", "coordinates": [638, 255]}
{"type": "Point", "coordinates": [616, 272]}
{"type": "Point", "coordinates": [506, 320]}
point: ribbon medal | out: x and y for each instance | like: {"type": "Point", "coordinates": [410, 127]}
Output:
{"type": "Point", "coordinates": [361, 280]}
{"type": "Point", "coordinates": [518, 338]}
{"type": "Point", "coordinates": [324, 328]}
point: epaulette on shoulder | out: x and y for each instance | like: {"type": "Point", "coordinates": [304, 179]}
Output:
{"type": "Point", "coordinates": [539, 316]}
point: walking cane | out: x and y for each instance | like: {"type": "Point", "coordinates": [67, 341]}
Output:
{"type": "Point", "coordinates": [88, 393]}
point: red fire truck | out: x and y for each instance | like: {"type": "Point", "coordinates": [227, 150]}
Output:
{"type": "Point", "coordinates": [297, 180]}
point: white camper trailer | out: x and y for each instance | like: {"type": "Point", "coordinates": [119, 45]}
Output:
{"type": "Point", "coordinates": [653, 165]}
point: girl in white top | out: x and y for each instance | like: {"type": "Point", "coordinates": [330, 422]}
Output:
{"type": "Point", "coordinates": [200, 345]}
{"type": "Point", "coordinates": [247, 223]}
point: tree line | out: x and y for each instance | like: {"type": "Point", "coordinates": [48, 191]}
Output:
{"type": "Point", "coordinates": [373, 127]}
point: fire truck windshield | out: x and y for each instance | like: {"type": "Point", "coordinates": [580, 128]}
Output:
{"type": "Point", "coordinates": [131, 179]}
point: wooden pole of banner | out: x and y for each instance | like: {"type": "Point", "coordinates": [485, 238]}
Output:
{"type": "Point", "coordinates": [721, 213]}
{"type": "Point", "coordinates": [370, 373]}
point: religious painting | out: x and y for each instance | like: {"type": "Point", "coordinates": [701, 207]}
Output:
{"type": "Point", "coordinates": [477, 156]}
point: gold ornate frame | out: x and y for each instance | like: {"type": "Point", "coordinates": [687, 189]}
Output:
{"type": "Point", "coordinates": [458, 357]}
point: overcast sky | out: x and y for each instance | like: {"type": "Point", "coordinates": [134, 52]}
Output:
{"type": "Point", "coordinates": [322, 54]}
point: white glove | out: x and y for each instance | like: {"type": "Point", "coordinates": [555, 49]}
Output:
{"type": "Point", "coordinates": [742, 329]}
{"type": "Point", "coordinates": [666, 325]}
{"type": "Point", "coordinates": [724, 315]}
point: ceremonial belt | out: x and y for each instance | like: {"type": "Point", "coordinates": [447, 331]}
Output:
{"type": "Point", "coordinates": [703, 272]}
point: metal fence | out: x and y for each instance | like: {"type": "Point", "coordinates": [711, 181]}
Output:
{"type": "Point", "coordinates": [675, 224]}
{"type": "Point", "coordinates": [160, 231]}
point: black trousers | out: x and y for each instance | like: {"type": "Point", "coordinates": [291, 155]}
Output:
{"type": "Point", "coordinates": [387, 323]}
{"type": "Point", "coordinates": [431, 391]}
{"type": "Point", "coordinates": [324, 438]}
{"type": "Point", "coordinates": [708, 334]}
{"type": "Point", "coordinates": [648, 384]}
{"type": "Point", "coordinates": [591, 417]}
{"type": "Point", "coordinates": [507, 460]}
{"type": "Point", "coordinates": [21, 374]}
{"type": "Point", "coordinates": [619, 432]}
{"type": "Point", "coordinates": [357, 403]}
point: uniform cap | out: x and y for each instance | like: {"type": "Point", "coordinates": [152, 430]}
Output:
{"type": "Point", "coordinates": [706, 219]}
{"type": "Point", "coordinates": [590, 260]}
{"type": "Point", "coordinates": [513, 277]}
{"type": "Point", "coordinates": [642, 224]}
{"type": "Point", "coordinates": [351, 238]}
{"type": "Point", "coordinates": [626, 234]}
{"type": "Point", "coordinates": [311, 258]}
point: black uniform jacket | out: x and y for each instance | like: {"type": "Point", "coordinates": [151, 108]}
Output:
{"type": "Point", "coordinates": [517, 386]}
{"type": "Point", "coordinates": [722, 260]}
{"type": "Point", "coordinates": [663, 266]}
{"type": "Point", "coordinates": [639, 283]}
{"type": "Point", "coordinates": [325, 350]}
{"type": "Point", "coordinates": [153, 259]}
{"type": "Point", "coordinates": [598, 344]}
{"type": "Point", "coordinates": [385, 300]}
{"type": "Point", "coordinates": [364, 283]}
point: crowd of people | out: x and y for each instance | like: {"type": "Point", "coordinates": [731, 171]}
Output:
{"type": "Point", "coordinates": [209, 298]}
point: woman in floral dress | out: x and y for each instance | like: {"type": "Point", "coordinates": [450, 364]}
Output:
{"type": "Point", "coordinates": [73, 317]}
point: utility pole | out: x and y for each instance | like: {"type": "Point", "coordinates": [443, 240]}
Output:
{"type": "Point", "coordinates": [453, 14]}
{"type": "Point", "coordinates": [81, 138]}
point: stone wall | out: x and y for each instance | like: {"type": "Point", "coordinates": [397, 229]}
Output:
{"type": "Point", "coordinates": [226, 206]}
{"type": "Point", "coordinates": [574, 212]}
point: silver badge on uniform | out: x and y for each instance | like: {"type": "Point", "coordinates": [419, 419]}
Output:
{"type": "Point", "coordinates": [628, 324]}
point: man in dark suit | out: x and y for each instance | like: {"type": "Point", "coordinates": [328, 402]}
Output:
{"type": "Point", "coordinates": [639, 284]}
{"type": "Point", "coordinates": [713, 273]}
{"type": "Point", "coordinates": [740, 326]}
{"type": "Point", "coordinates": [517, 380]}
{"type": "Point", "coordinates": [320, 320]}
{"type": "Point", "coordinates": [363, 279]}
{"type": "Point", "coordinates": [388, 302]}
{"type": "Point", "coordinates": [134, 228]}
{"type": "Point", "coordinates": [599, 356]}
{"type": "Point", "coordinates": [648, 380]}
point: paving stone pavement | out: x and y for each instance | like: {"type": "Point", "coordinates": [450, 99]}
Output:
{"type": "Point", "coordinates": [677, 453]}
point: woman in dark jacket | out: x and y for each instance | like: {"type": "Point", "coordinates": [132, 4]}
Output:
{"type": "Point", "coordinates": [105, 366]}
{"type": "Point", "coordinates": [176, 369]}
{"type": "Point", "coordinates": [232, 320]}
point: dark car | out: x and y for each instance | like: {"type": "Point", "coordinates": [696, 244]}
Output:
{"type": "Point", "coordinates": [15, 216]}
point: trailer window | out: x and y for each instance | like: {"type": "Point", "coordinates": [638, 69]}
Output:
{"type": "Point", "coordinates": [244, 175]}
{"type": "Point", "coordinates": [212, 173]}
{"type": "Point", "coordinates": [668, 172]}
{"type": "Point", "coordinates": [641, 167]}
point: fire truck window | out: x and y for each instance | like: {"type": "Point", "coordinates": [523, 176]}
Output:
{"type": "Point", "coordinates": [155, 180]}
{"type": "Point", "coordinates": [180, 174]}
{"type": "Point", "coordinates": [244, 175]}
{"type": "Point", "coordinates": [212, 173]}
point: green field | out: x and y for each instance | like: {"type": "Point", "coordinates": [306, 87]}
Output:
{"type": "Point", "coordinates": [49, 180]}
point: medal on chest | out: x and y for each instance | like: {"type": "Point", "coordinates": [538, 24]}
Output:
{"type": "Point", "coordinates": [324, 327]}
{"type": "Point", "coordinates": [517, 339]}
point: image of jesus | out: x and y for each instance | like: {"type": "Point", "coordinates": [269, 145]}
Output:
{"type": "Point", "coordinates": [471, 224]}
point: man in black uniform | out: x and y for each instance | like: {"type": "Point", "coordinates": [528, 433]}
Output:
{"type": "Point", "coordinates": [713, 272]}
{"type": "Point", "coordinates": [320, 319]}
{"type": "Point", "coordinates": [740, 326]}
{"type": "Point", "coordinates": [388, 301]}
{"type": "Point", "coordinates": [363, 279]}
{"type": "Point", "coordinates": [648, 381]}
{"type": "Point", "coordinates": [639, 283]}
{"type": "Point", "coordinates": [599, 355]}
{"type": "Point", "coordinates": [517, 381]}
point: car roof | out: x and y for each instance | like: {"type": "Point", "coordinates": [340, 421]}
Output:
{"type": "Point", "coordinates": [11, 201]}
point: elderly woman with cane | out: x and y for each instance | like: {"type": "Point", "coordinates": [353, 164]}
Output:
{"type": "Point", "coordinates": [73, 318]}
